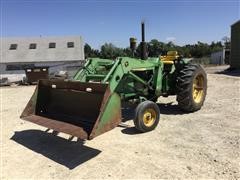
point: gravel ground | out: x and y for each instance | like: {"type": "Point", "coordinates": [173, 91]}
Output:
{"type": "Point", "coordinates": [204, 144]}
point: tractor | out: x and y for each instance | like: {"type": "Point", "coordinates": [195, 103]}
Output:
{"type": "Point", "coordinates": [89, 104]}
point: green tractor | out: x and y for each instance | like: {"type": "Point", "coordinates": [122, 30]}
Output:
{"type": "Point", "coordinates": [90, 103]}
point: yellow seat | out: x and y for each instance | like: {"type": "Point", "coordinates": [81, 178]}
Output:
{"type": "Point", "coordinates": [170, 57]}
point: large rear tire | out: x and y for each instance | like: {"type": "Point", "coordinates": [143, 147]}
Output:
{"type": "Point", "coordinates": [147, 115]}
{"type": "Point", "coordinates": [191, 87]}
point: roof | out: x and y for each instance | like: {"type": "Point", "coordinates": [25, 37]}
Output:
{"type": "Point", "coordinates": [235, 23]}
{"type": "Point", "coordinates": [42, 52]}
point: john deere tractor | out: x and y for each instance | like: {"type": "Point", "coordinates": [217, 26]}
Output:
{"type": "Point", "coordinates": [89, 104]}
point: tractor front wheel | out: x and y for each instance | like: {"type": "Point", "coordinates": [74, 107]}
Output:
{"type": "Point", "coordinates": [147, 115]}
{"type": "Point", "coordinates": [191, 87]}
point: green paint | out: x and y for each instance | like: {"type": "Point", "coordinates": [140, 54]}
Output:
{"type": "Point", "coordinates": [111, 110]}
{"type": "Point", "coordinates": [130, 77]}
{"type": "Point", "coordinates": [125, 79]}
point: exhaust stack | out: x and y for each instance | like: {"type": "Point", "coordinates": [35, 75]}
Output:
{"type": "Point", "coordinates": [143, 44]}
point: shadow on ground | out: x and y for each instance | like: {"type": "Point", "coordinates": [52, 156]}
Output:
{"type": "Point", "coordinates": [63, 151]}
{"type": "Point", "coordinates": [128, 113]}
{"type": "Point", "coordinates": [170, 109]}
{"type": "Point", "coordinates": [230, 72]}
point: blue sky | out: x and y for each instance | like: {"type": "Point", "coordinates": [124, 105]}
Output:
{"type": "Point", "coordinates": [98, 22]}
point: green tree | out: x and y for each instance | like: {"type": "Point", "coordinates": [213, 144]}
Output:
{"type": "Point", "coordinates": [155, 49]}
{"type": "Point", "coordinates": [109, 51]}
{"type": "Point", "coordinates": [226, 41]}
{"type": "Point", "coordinates": [89, 52]}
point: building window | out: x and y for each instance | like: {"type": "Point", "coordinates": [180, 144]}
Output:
{"type": "Point", "coordinates": [14, 67]}
{"type": "Point", "coordinates": [32, 46]}
{"type": "Point", "coordinates": [13, 47]}
{"type": "Point", "coordinates": [70, 44]}
{"type": "Point", "coordinates": [52, 45]}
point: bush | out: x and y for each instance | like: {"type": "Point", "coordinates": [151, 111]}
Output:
{"type": "Point", "coordinates": [203, 60]}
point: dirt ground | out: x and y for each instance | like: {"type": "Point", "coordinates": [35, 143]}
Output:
{"type": "Point", "coordinates": [204, 144]}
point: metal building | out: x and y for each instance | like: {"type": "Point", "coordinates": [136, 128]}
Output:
{"type": "Point", "coordinates": [220, 57]}
{"type": "Point", "coordinates": [53, 53]}
{"type": "Point", "coordinates": [235, 46]}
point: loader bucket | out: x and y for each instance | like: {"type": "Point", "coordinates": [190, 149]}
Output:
{"type": "Point", "coordinates": [84, 110]}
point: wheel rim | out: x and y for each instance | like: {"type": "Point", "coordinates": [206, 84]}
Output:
{"type": "Point", "coordinates": [149, 117]}
{"type": "Point", "coordinates": [197, 91]}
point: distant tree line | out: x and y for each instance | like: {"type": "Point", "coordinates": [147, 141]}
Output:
{"type": "Point", "coordinates": [156, 48]}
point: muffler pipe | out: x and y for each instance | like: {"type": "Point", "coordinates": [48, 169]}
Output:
{"type": "Point", "coordinates": [143, 44]}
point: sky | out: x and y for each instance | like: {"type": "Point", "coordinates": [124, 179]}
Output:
{"type": "Point", "coordinates": [183, 22]}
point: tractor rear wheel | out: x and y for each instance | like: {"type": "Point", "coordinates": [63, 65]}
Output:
{"type": "Point", "coordinates": [191, 87]}
{"type": "Point", "coordinates": [147, 115]}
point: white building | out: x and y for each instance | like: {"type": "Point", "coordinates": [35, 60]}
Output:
{"type": "Point", "coordinates": [220, 57]}
{"type": "Point", "coordinates": [55, 53]}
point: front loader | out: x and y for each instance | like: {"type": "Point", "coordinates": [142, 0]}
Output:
{"type": "Point", "coordinates": [90, 103]}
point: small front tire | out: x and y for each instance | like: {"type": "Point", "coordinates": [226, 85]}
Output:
{"type": "Point", "coordinates": [147, 115]}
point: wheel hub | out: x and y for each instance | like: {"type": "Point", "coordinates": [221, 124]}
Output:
{"type": "Point", "coordinates": [149, 117]}
{"type": "Point", "coordinates": [197, 90]}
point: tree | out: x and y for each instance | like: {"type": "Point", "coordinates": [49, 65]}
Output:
{"type": "Point", "coordinates": [226, 41]}
{"type": "Point", "coordinates": [157, 48]}
{"type": "Point", "coordinates": [216, 46]}
{"type": "Point", "coordinates": [109, 51]}
{"type": "Point", "coordinates": [89, 52]}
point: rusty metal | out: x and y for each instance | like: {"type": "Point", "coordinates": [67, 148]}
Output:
{"type": "Point", "coordinates": [71, 107]}
{"type": "Point", "coordinates": [115, 119]}
{"type": "Point", "coordinates": [58, 126]}
{"type": "Point", "coordinates": [36, 73]}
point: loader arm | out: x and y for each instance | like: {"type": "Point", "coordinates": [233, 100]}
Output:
{"type": "Point", "coordinates": [123, 74]}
